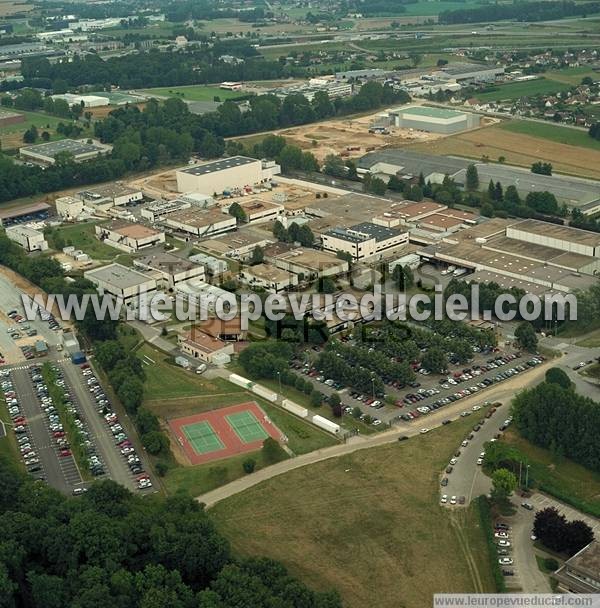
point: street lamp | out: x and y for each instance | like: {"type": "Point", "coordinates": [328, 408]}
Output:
{"type": "Point", "coordinates": [279, 377]}
{"type": "Point", "coordinates": [527, 477]}
{"type": "Point", "coordinates": [373, 385]}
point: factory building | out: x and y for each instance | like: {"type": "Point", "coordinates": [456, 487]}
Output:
{"type": "Point", "coordinates": [238, 245]}
{"type": "Point", "coordinates": [29, 239]}
{"type": "Point", "coordinates": [80, 150]}
{"type": "Point", "coordinates": [24, 213]}
{"type": "Point", "coordinates": [169, 269]}
{"type": "Point", "coordinates": [201, 223]}
{"type": "Point", "coordinates": [310, 264]}
{"type": "Point", "coordinates": [120, 281]}
{"type": "Point", "coordinates": [157, 212]}
{"type": "Point", "coordinates": [235, 173]}
{"type": "Point", "coordinates": [469, 73]}
{"type": "Point", "coordinates": [206, 348]}
{"type": "Point", "coordinates": [212, 265]}
{"type": "Point", "coordinates": [87, 101]}
{"type": "Point", "coordinates": [68, 207]}
{"type": "Point", "coordinates": [258, 211]}
{"type": "Point", "coordinates": [433, 120]}
{"type": "Point", "coordinates": [128, 236]}
{"type": "Point", "coordinates": [110, 195]}
{"type": "Point", "coordinates": [364, 241]}
{"type": "Point", "coordinates": [267, 277]}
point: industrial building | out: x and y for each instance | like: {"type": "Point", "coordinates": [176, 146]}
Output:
{"type": "Point", "coordinates": [80, 150]}
{"type": "Point", "coordinates": [267, 277]}
{"type": "Point", "coordinates": [575, 192]}
{"type": "Point", "coordinates": [469, 73]}
{"type": "Point", "coordinates": [155, 212]}
{"type": "Point", "coordinates": [128, 236]}
{"type": "Point", "coordinates": [309, 264]}
{"type": "Point", "coordinates": [28, 238]}
{"type": "Point", "coordinates": [169, 269]}
{"type": "Point", "coordinates": [364, 241]}
{"type": "Point", "coordinates": [24, 213]}
{"type": "Point", "coordinates": [121, 282]}
{"type": "Point", "coordinates": [212, 265]}
{"type": "Point", "coordinates": [201, 223]}
{"type": "Point", "coordinates": [68, 207]}
{"type": "Point", "coordinates": [207, 349]}
{"type": "Point", "coordinates": [238, 245]}
{"type": "Point", "coordinates": [110, 195]}
{"type": "Point", "coordinates": [258, 211]}
{"type": "Point", "coordinates": [86, 101]}
{"type": "Point", "coordinates": [433, 120]}
{"type": "Point", "coordinates": [235, 173]}
{"type": "Point", "coordinates": [580, 573]}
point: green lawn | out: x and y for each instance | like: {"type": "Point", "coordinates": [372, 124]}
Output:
{"type": "Point", "coordinates": [427, 8]}
{"type": "Point", "coordinates": [573, 76]}
{"type": "Point", "coordinates": [83, 236]}
{"type": "Point", "coordinates": [38, 119]}
{"type": "Point", "coordinates": [528, 88]}
{"type": "Point", "coordinates": [367, 524]}
{"type": "Point", "coordinates": [552, 132]}
{"type": "Point", "coordinates": [560, 476]}
{"type": "Point", "coordinates": [8, 444]}
{"type": "Point", "coordinates": [194, 93]}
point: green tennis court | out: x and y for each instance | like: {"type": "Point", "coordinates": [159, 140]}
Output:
{"type": "Point", "coordinates": [247, 427]}
{"type": "Point", "coordinates": [202, 437]}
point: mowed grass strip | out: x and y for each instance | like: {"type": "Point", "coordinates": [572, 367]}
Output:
{"type": "Point", "coordinates": [83, 236]}
{"type": "Point", "coordinates": [368, 524]}
{"type": "Point", "coordinates": [527, 88]}
{"type": "Point", "coordinates": [551, 132]}
{"type": "Point", "coordinates": [194, 93]}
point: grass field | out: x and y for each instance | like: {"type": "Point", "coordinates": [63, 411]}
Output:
{"type": "Point", "coordinates": [573, 76]}
{"type": "Point", "coordinates": [429, 8]}
{"type": "Point", "coordinates": [528, 88]}
{"type": "Point", "coordinates": [83, 236]}
{"type": "Point", "coordinates": [367, 524]}
{"type": "Point", "coordinates": [558, 475]}
{"type": "Point", "coordinates": [12, 135]}
{"type": "Point", "coordinates": [194, 93]}
{"type": "Point", "coordinates": [556, 133]}
{"type": "Point", "coordinates": [8, 443]}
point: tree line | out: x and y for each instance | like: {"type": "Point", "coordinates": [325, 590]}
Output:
{"type": "Point", "coordinates": [111, 548]}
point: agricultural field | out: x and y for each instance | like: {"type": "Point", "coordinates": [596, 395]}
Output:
{"type": "Point", "coordinates": [194, 93]}
{"type": "Point", "coordinates": [573, 76]}
{"type": "Point", "coordinates": [528, 88]}
{"type": "Point", "coordinates": [551, 132]}
{"type": "Point", "coordinates": [8, 8]}
{"type": "Point", "coordinates": [385, 517]}
{"type": "Point", "coordinates": [517, 149]}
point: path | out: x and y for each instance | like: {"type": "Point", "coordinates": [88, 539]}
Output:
{"type": "Point", "coordinates": [500, 392]}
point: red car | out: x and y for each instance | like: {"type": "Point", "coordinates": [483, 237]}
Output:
{"type": "Point", "coordinates": [58, 434]}
{"type": "Point", "coordinates": [85, 366]}
{"type": "Point", "coordinates": [20, 420]}
{"type": "Point", "coordinates": [64, 453]}
{"type": "Point", "coordinates": [142, 476]}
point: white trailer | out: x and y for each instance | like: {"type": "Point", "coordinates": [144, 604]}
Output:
{"type": "Point", "coordinates": [294, 408]}
{"type": "Point", "coordinates": [240, 381]}
{"type": "Point", "coordinates": [263, 392]}
{"type": "Point", "coordinates": [325, 424]}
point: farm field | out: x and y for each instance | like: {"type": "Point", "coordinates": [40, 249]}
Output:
{"type": "Point", "coordinates": [7, 8]}
{"type": "Point", "coordinates": [194, 93]}
{"type": "Point", "coordinates": [572, 76]}
{"type": "Point", "coordinates": [517, 149]}
{"type": "Point", "coordinates": [551, 132]}
{"type": "Point", "coordinates": [514, 90]}
{"type": "Point", "coordinates": [385, 516]}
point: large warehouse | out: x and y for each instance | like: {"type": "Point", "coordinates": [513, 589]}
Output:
{"type": "Point", "coordinates": [229, 174]}
{"type": "Point", "coordinates": [80, 150]}
{"type": "Point", "coordinates": [433, 120]}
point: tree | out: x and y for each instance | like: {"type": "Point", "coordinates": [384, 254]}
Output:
{"type": "Point", "coordinates": [155, 442]}
{"type": "Point", "coordinates": [472, 178]}
{"type": "Point", "coordinates": [525, 334]}
{"type": "Point", "coordinates": [249, 465]}
{"type": "Point", "coordinates": [334, 400]}
{"type": "Point", "coordinates": [487, 210]}
{"type": "Point", "coordinates": [555, 375]}
{"type": "Point", "coordinates": [31, 135]}
{"type": "Point", "coordinates": [316, 399]}
{"type": "Point", "coordinates": [504, 483]}
{"type": "Point", "coordinates": [258, 255]}
{"type": "Point", "coordinates": [541, 168]}
{"type": "Point", "coordinates": [328, 285]}
{"type": "Point", "coordinates": [434, 360]}
{"type": "Point", "coordinates": [272, 451]}
{"type": "Point", "coordinates": [578, 535]}
{"type": "Point", "coordinates": [236, 210]}
{"type": "Point", "coordinates": [334, 165]}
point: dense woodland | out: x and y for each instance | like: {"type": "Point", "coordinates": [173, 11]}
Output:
{"type": "Point", "coordinates": [560, 420]}
{"type": "Point", "coordinates": [111, 548]}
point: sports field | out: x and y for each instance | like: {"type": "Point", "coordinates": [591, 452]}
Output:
{"type": "Point", "coordinates": [223, 433]}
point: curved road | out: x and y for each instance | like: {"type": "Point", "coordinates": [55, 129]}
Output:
{"type": "Point", "coordinates": [499, 392]}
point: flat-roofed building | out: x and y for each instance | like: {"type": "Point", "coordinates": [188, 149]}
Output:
{"type": "Point", "coordinates": [28, 238]}
{"type": "Point", "coordinates": [408, 213]}
{"type": "Point", "coordinates": [441, 223]}
{"type": "Point", "coordinates": [24, 213]}
{"type": "Point", "coordinates": [128, 236]}
{"type": "Point", "coordinates": [229, 330]}
{"type": "Point", "coordinates": [120, 281]}
{"type": "Point", "coordinates": [581, 573]}
{"type": "Point", "coordinates": [68, 207]}
{"type": "Point", "coordinates": [111, 195]}
{"type": "Point", "coordinates": [258, 211]}
{"type": "Point", "coordinates": [87, 101]}
{"type": "Point", "coordinates": [364, 241]}
{"type": "Point", "coordinates": [78, 150]}
{"type": "Point", "coordinates": [206, 348]}
{"type": "Point", "coordinates": [235, 173]}
{"type": "Point", "coordinates": [202, 223]}
{"type": "Point", "coordinates": [156, 212]}
{"type": "Point", "coordinates": [169, 269]}
{"type": "Point", "coordinates": [267, 277]}
{"type": "Point", "coordinates": [308, 263]}
{"type": "Point", "coordinates": [237, 245]}
{"type": "Point", "coordinates": [433, 120]}
{"type": "Point", "coordinates": [212, 265]}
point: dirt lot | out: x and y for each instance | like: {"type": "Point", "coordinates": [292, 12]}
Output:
{"type": "Point", "coordinates": [336, 136]}
{"type": "Point", "coordinates": [518, 149]}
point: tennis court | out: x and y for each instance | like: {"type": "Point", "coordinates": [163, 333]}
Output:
{"type": "Point", "coordinates": [202, 437]}
{"type": "Point", "coordinates": [223, 432]}
{"type": "Point", "coordinates": [247, 427]}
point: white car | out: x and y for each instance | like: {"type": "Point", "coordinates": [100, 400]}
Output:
{"type": "Point", "coordinates": [476, 408]}
{"type": "Point", "coordinates": [453, 461]}
{"type": "Point", "coordinates": [480, 461]}
{"type": "Point", "coordinates": [465, 443]}
{"type": "Point", "coordinates": [505, 561]}
{"type": "Point", "coordinates": [504, 543]}
{"type": "Point", "coordinates": [423, 431]}
{"type": "Point", "coordinates": [444, 499]}
{"type": "Point", "coordinates": [453, 500]}
{"type": "Point", "coordinates": [500, 534]}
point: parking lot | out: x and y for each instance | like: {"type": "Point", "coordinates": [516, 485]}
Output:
{"type": "Point", "coordinates": [428, 392]}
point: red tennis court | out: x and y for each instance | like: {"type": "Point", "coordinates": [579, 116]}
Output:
{"type": "Point", "coordinates": [222, 433]}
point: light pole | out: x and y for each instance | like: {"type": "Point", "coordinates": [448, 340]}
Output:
{"type": "Point", "coordinates": [373, 385]}
{"type": "Point", "coordinates": [279, 377]}
{"type": "Point", "coordinates": [527, 477]}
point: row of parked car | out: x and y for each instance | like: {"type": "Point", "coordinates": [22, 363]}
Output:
{"type": "Point", "coordinates": [503, 547]}
{"type": "Point", "coordinates": [20, 427]}
{"type": "Point", "coordinates": [95, 464]}
{"type": "Point", "coordinates": [124, 445]}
